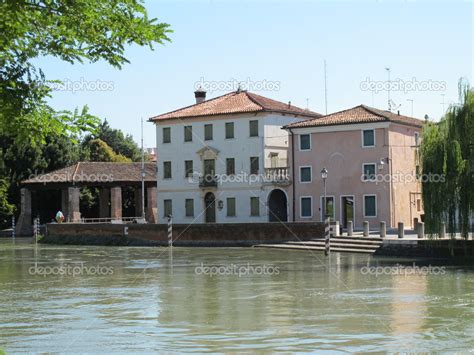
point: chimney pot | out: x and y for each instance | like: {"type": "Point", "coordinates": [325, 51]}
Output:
{"type": "Point", "coordinates": [200, 95]}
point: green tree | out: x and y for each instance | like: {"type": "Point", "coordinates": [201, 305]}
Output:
{"type": "Point", "coordinates": [100, 151]}
{"type": "Point", "coordinates": [447, 149]}
{"type": "Point", "coordinates": [73, 31]}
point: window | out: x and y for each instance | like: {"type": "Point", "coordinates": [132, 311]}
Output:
{"type": "Point", "coordinates": [188, 133]}
{"type": "Point", "coordinates": [188, 168]}
{"type": "Point", "coordinates": [274, 160]}
{"type": "Point", "coordinates": [208, 132]}
{"type": "Point", "coordinates": [189, 206]}
{"type": "Point", "coordinates": [306, 207]}
{"type": "Point", "coordinates": [166, 134]}
{"type": "Point", "coordinates": [253, 126]}
{"type": "Point", "coordinates": [370, 206]}
{"type": "Point", "coordinates": [305, 142]}
{"type": "Point", "coordinates": [254, 206]}
{"type": "Point", "coordinates": [167, 207]}
{"type": "Point", "coordinates": [229, 130]}
{"type": "Point", "coordinates": [368, 138]}
{"type": "Point", "coordinates": [305, 174]}
{"type": "Point", "coordinates": [230, 166]}
{"type": "Point", "coordinates": [230, 206]}
{"type": "Point", "coordinates": [417, 138]}
{"type": "Point", "coordinates": [254, 165]}
{"type": "Point", "coordinates": [330, 210]}
{"type": "Point", "coordinates": [166, 170]}
{"type": "Point", "coordinates": [368, 172]}
{"type": "Point", "coordinates": [418, 205]}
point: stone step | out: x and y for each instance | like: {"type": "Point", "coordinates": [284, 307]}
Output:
{"type": "Point", "coordinates": [303, 247]}
{"type": "Point", "coordinates": [336, 244]}
{"type": "Point", "coordinates": [343, 240]}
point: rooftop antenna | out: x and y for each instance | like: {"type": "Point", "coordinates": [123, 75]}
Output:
{"type": "Point", "coordinates": [411, 101]}
{"type": "Point", "coordinates": [143, 175]}
{"type": "Point", "coordinates": [442, 95]}
{"type": "Point", "coordinates": [388, 90]}
{"type": "Point", "coordinates": [325, 87]}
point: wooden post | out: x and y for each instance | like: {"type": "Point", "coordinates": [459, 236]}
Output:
{"type": "Point", "coordinates": [13, 227]}
{"type": "Point", "coordinates": [350, 228]}
{"type": "Point", "coordinates": [421, 230]}
{"type": "Point", "coordinates": [327, 227]}
{"type": "Point", "coordinates": [366, 228]}
{"type": "Point", "coordinates": [401, 230]}
{"type": "Point", "coordinates": [170, 230]}
{"type": "Point", "coordinates": [383, 229]}
{"type": "Point", "coordinates": [442, 233]}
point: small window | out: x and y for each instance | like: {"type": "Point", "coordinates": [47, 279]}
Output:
{"type": "Point", "coordinates": [167, 207]}
{"type": "Point", "coordinates": [166, 134]}
{"type": "Point", "coordinates": [230, 166]}
{"type": "Point", "coordinates": [188, 168]}
{"type": "Point", "coordinates": [305, 142]}
{"type": "Point", "coordinates": [418, 205]}
{"type": "Point", "coordinates": [368, 138]}
{"type": "Point", "coordinates": [370, 206]}
{"type": "Point", "coordinates": [189, 206]}
{"type": "Point", "coordinates": [254, 165]}
{"type": "Point", "coordinates": [208, 132]}
{"type": "Point", "coordinates": [305, 174]}
{"type": "Point", "coordinates": [253, 125]}
{"type": "Point", "coordinates": [369, 172]}
{"type": "Point", "coordinates": [229, 130]}
{"type": "Point", "coordinates": [166, 170]}
{"type": "Point", "coordinates": [306, 207]}
{"type": "Point", "coordinates": [188, 133]}
{"type": "Point", "coordinates": [417, 138]}
{"type": "Point", "coordinates": [254, 206]}
{"type": "Point", "coordinates": [230, 206]}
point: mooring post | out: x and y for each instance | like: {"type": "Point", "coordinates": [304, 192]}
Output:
{"type": "Point", "coordinates": [327, 228]}
{"type": "Point", "coordinates": [442, 233]}
{"type": "Point", "coordinates": [170, 230]}
{"type": "Point", "coordinates": [383, 229]}
{"type": "Point", "coordinates": [35, 229]}
{"type": "Point", "coordinates": [13, 227]}
{"type": "Point", "coordinates": [350, 228]}
{"type": "Point", "coordinates": [401, 230]}
{"type": "Point", "coordinates": [366, 228]}
{"type": "Point", "coordinates": [421, 230]}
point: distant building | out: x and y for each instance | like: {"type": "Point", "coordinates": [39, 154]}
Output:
{"type": "Point", "coordinates": [151, 154]}
{"type": "Point", "coordinates": [225, 159]}
{"type": "Point", "coordinates": [372, 160]}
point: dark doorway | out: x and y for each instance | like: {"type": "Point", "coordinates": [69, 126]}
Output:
{"type": "Point", "coordinates": [277, 211]}
{"type": "Point", "coordinates": [347, 205]}
{"type": "Point", "coordinates": [210, 206]}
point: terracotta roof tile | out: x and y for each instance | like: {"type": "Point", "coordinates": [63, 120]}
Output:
{"type": "Point", "coordinates": [358, 114]}
{"type": "Point", "coordinates": [235, 102]}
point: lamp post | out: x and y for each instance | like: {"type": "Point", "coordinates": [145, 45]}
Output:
{"type": "Point", "coordinates": [324, 176]}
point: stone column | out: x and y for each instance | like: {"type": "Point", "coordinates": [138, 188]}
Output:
{"type": "Point", "coordinates": [151, 208]}
{"type": "Point", "coordinates": [138, 202]}
{"type": "Point", "coordinates": [104, 198]}
{"type": "Point", "coordinates": [74, 211]}
{"type": "Point", "coordinates": [24, 221]}
{"type": "Point", "coordinates": [116, 203]}
{"type": "Point", "coordinates": [64, 204]}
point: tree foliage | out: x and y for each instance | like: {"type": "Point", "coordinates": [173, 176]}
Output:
{"type": "Point", "coordinates": [448, 150]}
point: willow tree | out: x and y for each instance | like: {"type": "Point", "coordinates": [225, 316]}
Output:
{"type": "Point", "coordinates": [447, 152]}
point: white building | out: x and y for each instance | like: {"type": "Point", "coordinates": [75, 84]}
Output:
{"type": "Point", "coordinates": [225, 160]}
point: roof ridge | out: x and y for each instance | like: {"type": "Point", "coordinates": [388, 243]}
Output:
{"type": "Point", "coordinates": [196, 104]}
{"type": "Point", "coordinates": [375, 112]}
{"type": "Point", "coordinates": [253, 99]}
{"type": "Point", "coordinates": [75, 171]}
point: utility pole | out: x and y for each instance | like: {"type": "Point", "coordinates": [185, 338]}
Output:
{"type": "Point", "coordinates": [143, 174]}
{"type": "Point", "coordinates": [442, 95]}
{"type": "Point", "coordinates": [388, 90]}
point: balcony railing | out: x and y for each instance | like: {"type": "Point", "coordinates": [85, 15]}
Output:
{"type": "Point", "coordinates": [277, 175]}
{"type": "Point", "coordinates": [208, 181]}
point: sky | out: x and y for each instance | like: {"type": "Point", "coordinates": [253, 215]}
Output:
{"type": "Point", "coordinates": [277, 49]}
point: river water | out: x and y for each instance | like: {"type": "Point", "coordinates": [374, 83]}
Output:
{"type": "Point", "coordinates": [141, 300]}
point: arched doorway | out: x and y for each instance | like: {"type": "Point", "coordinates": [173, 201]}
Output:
{"type": "Point", "coordinates": [277, 206]}
{"type": "Point", "coordinates": [210, 207]}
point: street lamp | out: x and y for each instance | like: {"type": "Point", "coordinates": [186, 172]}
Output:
{"type": "Point", "coordinates": [324, 176]}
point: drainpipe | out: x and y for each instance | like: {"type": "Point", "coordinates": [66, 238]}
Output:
{"type": "Point", "coordinates": [293, 172]}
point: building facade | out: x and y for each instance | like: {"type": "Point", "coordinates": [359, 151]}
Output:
{"type": "Point", "coordinates": [371, 157]}
{"type": "Point", "coordinates": [225, 160]}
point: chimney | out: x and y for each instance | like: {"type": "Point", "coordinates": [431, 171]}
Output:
{"type": "Point", "coordinates": [200, 95]}
{"type": "Point", "coordinates": [398, 112]}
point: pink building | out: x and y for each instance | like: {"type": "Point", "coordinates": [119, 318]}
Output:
{"type": "Point", "coordinates": [371, 158]}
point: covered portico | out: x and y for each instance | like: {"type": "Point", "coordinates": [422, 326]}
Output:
{"type": "Point", "coordinates": [110, 179]}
